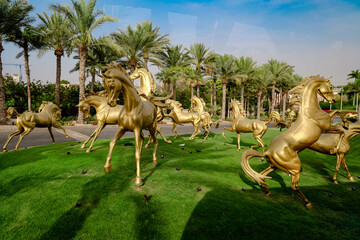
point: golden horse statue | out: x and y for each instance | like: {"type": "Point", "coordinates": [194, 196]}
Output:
{"type": "Point", "coordinates": [198, 106]}
{"type": "Point", "coordinates": [240, 123]}
{"type": "Point", "coordinates": [105, 114]}
{"type": "Point", "coordinates": [135, 116]}
{"type": "Point", "coordinates": [328, 142]}
{"type": "Point", "coordinates": [147, 87]}
{"type": "Point", "coordinates": [183, 117]}
{"type": "Point", "coordinates": [311, 121]}
{"type": "Point", "coordinates": [48, 116]}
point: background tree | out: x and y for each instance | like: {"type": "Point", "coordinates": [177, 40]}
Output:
{"type": "Point", "coordinates": [355, 74]}
{"type": "Point", "coordinates": [200, 56]}
{"type": "Point", "coordinates": [279, 70]}
{"type": "Point", "coordinates": [14, 15]}
{"type": "Point", "coordinates": [84, 19]}
{"type": "Point", "coordinates": [57, 33]}
{"type": "Point", "coordinates": [225, 70]}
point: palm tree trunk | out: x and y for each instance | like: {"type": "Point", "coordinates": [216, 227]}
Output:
{"type": "Point", "coordinates": [223, 107]}
{"type": "Point", "coordinates": [234, 92]}
{"type": "Point", "coordinates": [272, 105]}
{"type": "Point", "coordinates": [198, 90]}
{"type": "Point", "coordinates": [242, 94]}
{"type": "Point", "coordinates": [27, 70]}
{"type": "Point", "coordinates": [281, 96]}
{"type": "Point", "coordinates": [2, 91]}
{"type": "Point", "coordinates": [174, 90]}
{"type": "Point", "coordinates": [284, 104]}
{"type": "Point", "coordinates": [211, 99]}
{"type": "Point", "coordinates": [146, 60]}
{"type": "Point", "coordinates": [215, 92]}
{"type": "Point", "coordinates": [58, 76]}
{"type": "Point", "coordinates": [132, 66]}
{"type": "Point", "coordinates": [258, 95]}
{"type": "Point", "coordinates": [92, 80]}
{"type": "Point", "coordinates": [82, 78]}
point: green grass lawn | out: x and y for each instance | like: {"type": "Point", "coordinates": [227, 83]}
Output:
{"type": "Point", "coordinates": [44, 195]}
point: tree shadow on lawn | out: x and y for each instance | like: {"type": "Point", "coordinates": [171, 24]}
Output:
{"type": "Point", "coordinates": [225, 213]}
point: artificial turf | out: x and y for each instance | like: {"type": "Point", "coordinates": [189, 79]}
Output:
{"type": "Point", "coordinates": [199, 195]}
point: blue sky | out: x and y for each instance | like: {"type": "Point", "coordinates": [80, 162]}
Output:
{"type": "Point", "coordinates": [317, 36]}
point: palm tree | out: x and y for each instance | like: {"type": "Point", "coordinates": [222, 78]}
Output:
{"type": "Point", "coordinates": [225, 70]}
{"type": "Point", "coordinates": [200, 56]}
{"type": "Point", "coordinates": [57, 34]}
{"type": "Point", "coordinates": [192, 77]}
{"type": "Point", "coordinates": [261, 80]}
{"type": "Point", "coordinates": [83, 19]}
{"type": "Point", "coordinates": [171, 61]}
{"type": "Point", "coordinates": [279, 70]}
{"type": "Point", "coordinates": [14, 15]}
{"type": "Point", "coordinates": [245, 68]}
{"type": "Point", "coordinates": [154, 43]}
{"type": "Point", "coordinates": [356, 76]}
{"type": "Point", "coordinates": [29, 39]}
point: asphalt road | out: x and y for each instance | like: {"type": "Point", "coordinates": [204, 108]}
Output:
{"type": "Point", "coordinates": [41, 136]}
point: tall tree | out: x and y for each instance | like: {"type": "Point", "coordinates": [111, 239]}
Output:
{"type": "Point", "coordinates": [57, 33]}
{"type": "Point", "coordinates": [279, 70]}
{"type": "Point", "coordinates": [355, 74]}
{"type": "Point", "coordinates": [29, 39]}
{"type": "Point", "coordinates": [245, 69]}
{"type": "Point", "coordinates": [84, 18]}
{"type": "Point", "coordinates": [13, 15]}
{"type": "Point", "coordinates": [225, 70]}
{"type": "Point", "coordinates": [200, 57]}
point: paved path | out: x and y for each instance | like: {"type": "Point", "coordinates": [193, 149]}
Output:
{"type": "Point", "coordinates": [41, 136]}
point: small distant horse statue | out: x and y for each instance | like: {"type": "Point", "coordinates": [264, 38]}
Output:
{"type": "Point", "coordinates": [311, 121]}
{"type": "Point", "coordinates": [240, 123]}
{"type": "Point", "coordinates": [48, 116]}
{"type": "Point", "coordinates": [147, 87]}
{"type": "Point", "coordinates": [105, 114]}
{"type": "Point", "coordinates": [198, 106]}
{"type": "Point", "coordinates": [183, 117]}
{"type": "Point", "coordinates": [328, 142]}
{"type": "Point", "coordinates": [135, 116]}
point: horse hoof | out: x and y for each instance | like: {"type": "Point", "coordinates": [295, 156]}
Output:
{"type": "Point", "coordinates": [88, 150]}
{"type": "Point", "coordinates": [155, 163]}
{"type": "Point", "coordinates": [146, 146]}
{"type": "Point", "coordinates": [351, 179]}
{"type": "Point", "coordinates": [308, 206]}
{"type": "Point", "coordinates": [4, 150]}
{"type": "Point", "coordinates": [224, 137]}
{"type": "Point", "coordinates": [138, 181]}
{"type": "Point", "coordinates": [335, 181]}
{"type": "Point", "coordinates": [82, 146]}
{"type": "Point", "coordinates": [107, 169]}
{"type": "Point", "coordinates": [169, 142]}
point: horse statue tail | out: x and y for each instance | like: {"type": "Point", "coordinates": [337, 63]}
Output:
{"type": "Point", "coordinates": [245, 158]}
{"type": "Point", "coordinates": [10, 112]}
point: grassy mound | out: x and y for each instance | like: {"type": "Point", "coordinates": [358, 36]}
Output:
{"type": "Point", "coordinates": [44, 194]}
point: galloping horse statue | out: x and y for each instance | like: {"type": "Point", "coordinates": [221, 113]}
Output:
{"type": "Point", "coordinates": [311, 121]}
{"type": "Point", "coordinates": [135, 116]}
{"type": "Point", "coordinates": [147, 87]}
{"type": "Point", "coordinates": [105, 114]}
{"type": "Point", "coordinates": [240, 123]}
{"type": "Point", "coordinates": [48, 116]}
{"type": "Point", "coordinates": [327, 142]}
{"type": "Point", "coordinates": [183, 117]}
{"type": "Point", "coordinates": [198, 105]}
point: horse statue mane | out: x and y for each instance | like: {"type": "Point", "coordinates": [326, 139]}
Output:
{"type": "Point", "coordinates": [148, 77]}
{"type": "Point", "coordinates": [115, 70]}
{"type": "Point", "coordinates": [175, 103]}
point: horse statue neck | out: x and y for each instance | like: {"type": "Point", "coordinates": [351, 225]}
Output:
{"type": "Point", "coordinates": [145, 81]}
{"type": "Point", "coordinates": [236, 111]}
{"type": "Point", "coordinates": [96, 101]}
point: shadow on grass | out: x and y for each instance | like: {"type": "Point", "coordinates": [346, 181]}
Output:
{"type": "Point", "coordinates": [224, 213]}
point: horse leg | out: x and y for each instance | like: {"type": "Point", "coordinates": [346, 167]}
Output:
{"type": "Point", "coordinates": [58, 126]}
{"type": "Point", "coordinates": [196, 124]}
{"type": "Point", "coordinates": [294, 185]}
{"type": "Point", "coordinates": [207, 131]}
{"type": "Point", "coordinates": [138, 149]}
{"type": "Point", "coordinates": [149, 141]}
{"type": "Point", "coordinates": [227, 129]}
{"type": "Point", "coordinates": [156, 142]}
{"type": "Point", "coordinates": [238, 141]}
{"type": "Point", "coordinates": [22, 135]}
{"type": "Point", "coordinates": [84, 144]}
{"type": "Point", "coordinates": [51, 134]}
{"type": "Point", "coordinates": [120, 132]}
{"type": "Point", "coordinates": [257, 135]}
{"type": "Point", "coordinates": [339, 157]}
{"type": "Point", "coordinates": [343, 162]}
{"type": "Point", "coordinates": [174, 130]}
{"type": "Point", "coordinates": [100, 127]}
{"type": "Point", "coordinates": [158, 130]}
{"type": "Point", "coordinates": [270, 169]}
{"type": "Point", "coordinates": [20, 130]}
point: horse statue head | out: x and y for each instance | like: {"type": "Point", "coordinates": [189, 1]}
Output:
{"type": "Point", "coordinates": [147, 81]}
{"type": "Point", "coordinates": [51, 109]}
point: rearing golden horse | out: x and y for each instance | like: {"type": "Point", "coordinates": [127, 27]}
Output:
{"type": "Point", "coordinates": [135, 116]}
{"type": "Point", "coordinates": [311, 121]}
